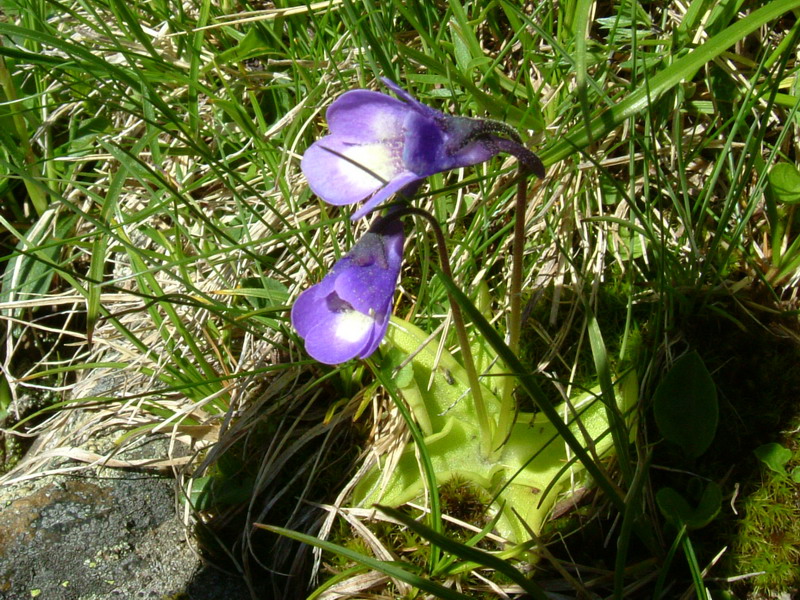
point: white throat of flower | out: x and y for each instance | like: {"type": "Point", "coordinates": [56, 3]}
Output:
{"type": "Point", "coordinates": [352, 326]}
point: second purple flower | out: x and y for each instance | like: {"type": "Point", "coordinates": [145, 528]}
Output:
{"type": "Point", "coordinates": [346, 314]}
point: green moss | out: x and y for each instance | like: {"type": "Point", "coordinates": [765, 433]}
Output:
{"type": "Point", "coordinates": [10, 452]}
{"type": "Point", "coordinates": [464, 501]}
{"type": "Point", "coordinates": [768, 536]}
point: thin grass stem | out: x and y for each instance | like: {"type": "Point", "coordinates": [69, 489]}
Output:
{"type": "Point", "coordinates": [38, 199]}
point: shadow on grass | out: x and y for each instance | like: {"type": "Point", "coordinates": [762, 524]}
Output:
{"type": "Point", "coordinates": [757, 373]}
{"type": "Point", "coordinates": [247, 486]}
{"type": "Point", "coordinates": [752, 547]}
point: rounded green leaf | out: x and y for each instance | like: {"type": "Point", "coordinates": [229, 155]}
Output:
{"type": "Point", "coordinates": [784, 180]}
{"type": "Point", "coordinates": [774, 456]}
{"type": "Point", "coordinates": [679, 512]}
{"type": "Point", "coordinates": [685, 405]}
{"type": "Point", "coordinates": [796, 474]}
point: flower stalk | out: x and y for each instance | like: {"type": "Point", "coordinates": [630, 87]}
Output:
{"type": "Point", "coordinates": [485, 424]}
{"type": "Point", "coordinates": [514, 321]}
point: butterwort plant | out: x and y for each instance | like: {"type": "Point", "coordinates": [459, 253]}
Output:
{"type": "Point", "coordinates": [379, 145]}
{"type": "Point", "coordinates": [346, 315]}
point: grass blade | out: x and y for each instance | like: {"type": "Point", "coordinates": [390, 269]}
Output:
{"type": "Point", "coordinates": [391, 569]}
{"type": "Point", "coordinates": [660, 84]}
{"type": "Point", "coordinates": [467, 552]}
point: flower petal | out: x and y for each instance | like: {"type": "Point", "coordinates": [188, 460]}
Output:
{"type": "Point", "coordinates": [345, 335]}
{"type": "Point", "coordinates": [423, 151]}
{"type": "Point", "coordinates": [391, 230]}
{"type": "Point", "coordinates": [400, 183]}
{"type": "Point", "coordinates": [368, 290]}
{"type": "Point", "coordinates": [378, 332]}
{"type": "Point", "coordinates": [340, 172]}
{"type": "Point", "coordinates": [412, 102]}
{"type": "Point", "coordinates": [310, 306]}
{"type": "Point", "coordinates": [364, 116]}
{"type": "Point", "coordinates": [472, 154]}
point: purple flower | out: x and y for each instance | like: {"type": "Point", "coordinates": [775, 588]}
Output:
{"type": "Point", "coordinates": [379, 146]}
{"type": "Point", "coordinates": [346, 314]}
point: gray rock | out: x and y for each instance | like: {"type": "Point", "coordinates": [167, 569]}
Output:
{"type": "Point", "coordinates": [102, 534]}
